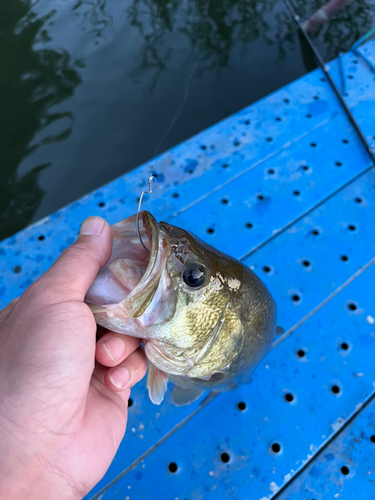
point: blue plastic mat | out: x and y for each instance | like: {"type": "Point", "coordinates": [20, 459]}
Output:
{"type": "Point", "coordinates": [286, 186]}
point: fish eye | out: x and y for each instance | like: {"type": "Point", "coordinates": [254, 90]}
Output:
{"type": "Point", "coordinates": [195, 274]}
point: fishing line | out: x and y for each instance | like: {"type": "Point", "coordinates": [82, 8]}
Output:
{"type": "Point", "coordinates": [325, 68]}
{"type": "Point", "coordinates": [180, 107]}
{"type": "Point", "coordinates": [150, 179]}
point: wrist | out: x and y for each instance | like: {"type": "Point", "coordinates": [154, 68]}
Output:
{"type": "Point", "coordinates": [34, 481]}
{"type": "Point", "coordinates": [29, 472]}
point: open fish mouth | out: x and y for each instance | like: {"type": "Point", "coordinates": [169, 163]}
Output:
{"type": "Point", "coordinates": [131, 277]}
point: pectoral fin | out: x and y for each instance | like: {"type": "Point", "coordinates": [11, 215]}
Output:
{"type": "Point", "coordinates": [157, 382]}
{"type": "Point", "coordinates": [183, 397]}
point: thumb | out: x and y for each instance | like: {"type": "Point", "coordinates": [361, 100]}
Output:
{"type": "Point", "coordinates": [73, 273]}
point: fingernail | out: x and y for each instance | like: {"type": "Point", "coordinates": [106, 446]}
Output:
{"type": "Point", "coordinates": [93, 226]}
{"type": "Point", "coordinates": [114, 347]}
{"type": "Point", "coordinates": [120, 377]}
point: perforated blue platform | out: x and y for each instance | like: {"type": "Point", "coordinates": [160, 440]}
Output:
{"type": "Point", "coordinates": [286, 186]}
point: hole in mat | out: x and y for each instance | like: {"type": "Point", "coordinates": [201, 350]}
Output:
{"type": "Point", "coordinates": [305, 167]}
{"type": "Point", "coordinates": [266, 269]}
{"type": "Point", "coordinates": [289, 397]}
{"type": "Point", "coordinates": [335, 389]}
{"type": "Point", "coordinates": [315, 232]}
{"type": "Point", "coordinates": [175, 195]}
{"type": "Point", "coordinates": [305, 263]}
{"type": "Point", "coordinates": [203, 147]}
{"type": "Point", "coordinates": [308, 115]}
{"type": "Point", "coordinates": [358, 200]}
{"type": "Point", "coordinates": [130, 402]}
{"type": "Point", "coordinates": [101, 204]}
{"type": "Point", "coordinates": [249, 225]}
{"type": "Point", "coordinates": [313, 144]}
{"type": "Point", "coordinates": [41, 237]}
{"type": "Point", "coordinates": [260, 197]}
{"type": "Point", "coordinates": [17, 269]}
{"type": "Point", "coordinates": [172, 467]}
{"type": "Point", "coordinates": [225, 165]}
{"type": "Point", "coordinates": [344, 346]}
{"type": "Point", "coordinates": [345, 470]}
{"type": "Point", "coordinates": [351, 227]}
{"type": "Point", "coordinates": [296, 193]}
{"type": "Point", "coordinates": [344, 258]}
{"type": "Point", "coordinates": [225, 457]}
{"type": "Point", "coordinates": [338, 163]}
{"type": "Point", "coordinates": [275, 447]}
{"type": "Point", "coordinates": [301, 353]}
{"type": "Point", "coordinates": [224, 201]}
{"type": "Point", "coordinates": [210, 230]}
{"type": "Point", "coordinates": [296, 298]}
{"type": "Point", "coordinates": [241, 406]}
{"type": "Point", "coordinates": [271, 171]}
{"type": "Point", "coordinates": [345, 141]}
{"type": "Point", "coordinates": [372, 438]}
{"type": "Point", "coordinates": [352, 306]}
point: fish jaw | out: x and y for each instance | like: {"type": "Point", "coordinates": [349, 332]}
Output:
{"type": "Point", "coordinates": [125, 288]}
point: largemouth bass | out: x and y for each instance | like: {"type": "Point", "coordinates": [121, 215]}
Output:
{"type": "Point", "coordinates": [205, 319]}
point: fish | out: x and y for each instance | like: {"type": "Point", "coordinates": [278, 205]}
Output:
{"type": "Point", "coordinates": [206, 320]}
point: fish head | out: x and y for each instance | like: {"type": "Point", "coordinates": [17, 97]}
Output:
{"type": "Point", "coordinates": [205, 333]}
{"type": "Point", "coordinates": [203, 315]}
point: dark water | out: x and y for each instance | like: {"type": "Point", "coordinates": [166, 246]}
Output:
{"type": "Point", "coordinates": [90, 89]}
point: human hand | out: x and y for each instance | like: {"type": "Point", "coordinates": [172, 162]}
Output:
{"type": "Point", "coordinates": [61, 418]}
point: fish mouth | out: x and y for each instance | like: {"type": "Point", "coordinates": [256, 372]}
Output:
{"type": "Point", "coordinates": [132, 274]}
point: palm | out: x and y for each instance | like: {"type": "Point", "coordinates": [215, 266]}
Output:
{"type": "Point", "coordinates": [63, 396]}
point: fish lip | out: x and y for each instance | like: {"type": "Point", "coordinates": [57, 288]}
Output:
{"type": "Point", "coordinates": [141, 296]}
{"type": "Point", "coordinates": [152, 232]}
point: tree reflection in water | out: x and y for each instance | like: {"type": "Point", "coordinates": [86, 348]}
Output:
{"type": "Point", "coordinates": [95, 15]}
{"type": "Point", "coordinates": [214, 27]}
{"type": "Point", "coordinates": [32, 81]}
{"type": "Point", "coordinates": [34, 76]}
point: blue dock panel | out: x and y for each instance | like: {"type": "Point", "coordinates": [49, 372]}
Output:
{"type": "Point", "coordinates": [286, 186]}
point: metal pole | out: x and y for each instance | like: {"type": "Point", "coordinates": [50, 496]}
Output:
{"type": "Point", "coordinates": [325, 68]}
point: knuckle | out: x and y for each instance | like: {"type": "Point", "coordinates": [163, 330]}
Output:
{"type": "Point", "coordinates": [80, 249]}
{"type": "Point", "coordinates": [36, 294]}
{"type": "Point", "coordinates": [77, 249]}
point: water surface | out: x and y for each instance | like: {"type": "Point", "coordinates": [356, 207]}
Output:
{"type": "Point", "coordinates": [93, 88]}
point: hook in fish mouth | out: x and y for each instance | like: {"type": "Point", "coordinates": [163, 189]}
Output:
{"type": "Point", "coordinates": [132, 273]}
{"type": "Point", "coordinates": [150, 179]}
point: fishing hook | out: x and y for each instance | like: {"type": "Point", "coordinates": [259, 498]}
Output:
{"type": "Point", "coordinates": [150, 179]}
